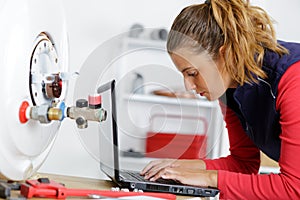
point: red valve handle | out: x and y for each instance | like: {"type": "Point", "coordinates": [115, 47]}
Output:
{"type": "Point", "coordinates": [22, 112]}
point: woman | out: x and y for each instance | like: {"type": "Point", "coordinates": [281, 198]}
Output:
{"type": "Point", "coordinates": [227, 50]}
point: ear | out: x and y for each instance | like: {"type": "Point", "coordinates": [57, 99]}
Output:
{"type": "Point", "coordinates": [222, 51]}
{"type": "Point", "coordinates": [221, 59]}
{"type": "Point", "coordinates": [221, 56]}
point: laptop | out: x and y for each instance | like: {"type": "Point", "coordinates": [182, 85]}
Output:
{"type": "Point", "coordinates": [109, 156]}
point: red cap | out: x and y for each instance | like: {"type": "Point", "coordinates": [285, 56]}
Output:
{"type": "Point", "coordinates": [95, 99]}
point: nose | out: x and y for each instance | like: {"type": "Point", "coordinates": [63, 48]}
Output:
{"type": "Point", "coordinates": [189, 85]}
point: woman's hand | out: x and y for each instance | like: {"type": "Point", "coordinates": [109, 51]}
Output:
{"type": "Point", "coordinates": [154, 167]}
{"type": "Point", "coordinates": [196, 177]}
{"type": "Point", "coordinates": [190, 172]}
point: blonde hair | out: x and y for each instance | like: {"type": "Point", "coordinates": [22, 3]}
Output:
{"type": "Point", "coordinates": [243, 30]}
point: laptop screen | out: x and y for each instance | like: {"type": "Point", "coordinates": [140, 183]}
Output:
{"type": "Point", "coordinates": [109, 155]}
{"type": "Point", "coordinates": [109, 162]}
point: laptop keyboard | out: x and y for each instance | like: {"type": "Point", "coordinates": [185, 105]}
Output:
{"type": "Point", "coordinates": [136, 176]}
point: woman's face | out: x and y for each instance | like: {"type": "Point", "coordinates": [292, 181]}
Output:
{"type": "Point", "coordinates": [202, 74]}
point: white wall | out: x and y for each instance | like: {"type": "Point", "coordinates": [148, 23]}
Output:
{"type": "Point", "coordinates": [92, 22]}
{"type": "Point", "coordinates": [285, 14]}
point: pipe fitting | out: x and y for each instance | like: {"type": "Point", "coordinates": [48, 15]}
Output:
{"type": "Point", "coordinates": [55, 114]}
{"type": "Point", "coordinates": [40, 113]}
{"type": "Point", "coordinates": [81, 123]}
{"type": "Point", "coordinates": [86, 114]}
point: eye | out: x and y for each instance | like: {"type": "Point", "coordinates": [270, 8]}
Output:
{"type": "Point", "coordinates": [192, 73]}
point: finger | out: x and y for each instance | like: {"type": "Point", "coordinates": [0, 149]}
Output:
{"type": "Point", "coordinates": [145, 170]}
{"type": "Point", "coordinates": [148, 167]}
{"type": "Point", "coordinates": [167, 173]}
{"type": "Point", "coordinates": [155, 170]}
{"type": "Point", "coordinates": [155, 177]}
{"type": "Point", "coordinates": [156, 166]}
{"type": "Point", "coordinates": [158, 174]}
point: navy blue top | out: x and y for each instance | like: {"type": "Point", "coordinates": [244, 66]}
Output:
{"type": "Point", "coordinates": [255, 104]}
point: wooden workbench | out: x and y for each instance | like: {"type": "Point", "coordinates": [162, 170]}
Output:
{"type": "Point", "coordinates": [96, 184]}
{"type": "Point", "coordinates": [84, 183]}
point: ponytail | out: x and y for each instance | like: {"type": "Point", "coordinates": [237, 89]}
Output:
{"type": "Point", "coordinates": [243, 30]}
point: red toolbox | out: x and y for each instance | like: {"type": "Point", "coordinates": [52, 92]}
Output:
{"type": "Point", "coordinates": [163, 143]}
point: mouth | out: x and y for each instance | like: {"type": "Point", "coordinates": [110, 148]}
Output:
{"type": "Point", "coordinates": [198, 93]}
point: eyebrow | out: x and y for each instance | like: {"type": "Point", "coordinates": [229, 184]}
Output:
{"type": "Point", "coordinates": [185, 69]}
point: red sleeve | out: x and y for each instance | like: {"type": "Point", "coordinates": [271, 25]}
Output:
{"type": "Point", "coordinates": [286, 184]}
{"type": "Point", "coordinates": [244, 155]}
